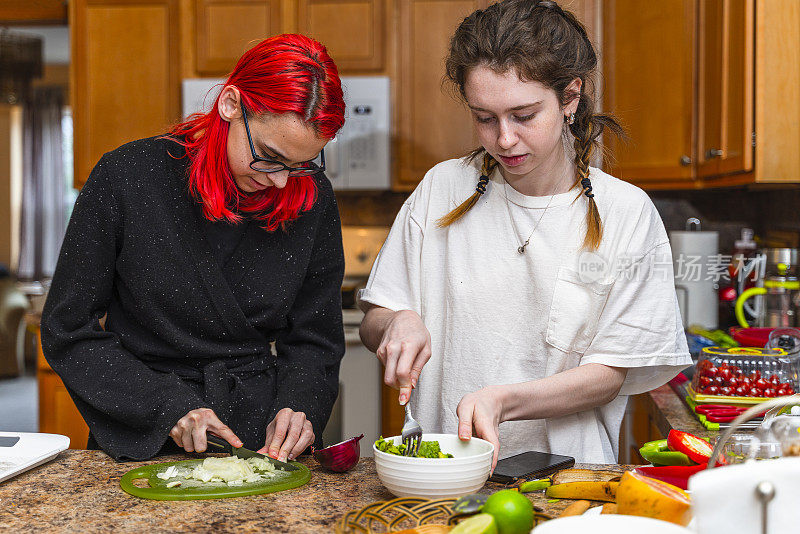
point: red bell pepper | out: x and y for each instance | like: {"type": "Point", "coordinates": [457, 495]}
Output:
{"type": "Point", "coordinates": [677, 475]}
{"type": "Point", "coordinates": [698, 450]}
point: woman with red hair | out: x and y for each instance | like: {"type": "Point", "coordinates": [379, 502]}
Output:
{"type": "Point", "coordinates": [214, 253]}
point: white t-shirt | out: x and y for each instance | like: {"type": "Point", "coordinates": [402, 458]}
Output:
{"type": "Point", "coordinates": [499, 317]}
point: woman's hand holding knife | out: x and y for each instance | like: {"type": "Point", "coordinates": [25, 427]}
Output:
{"type": "Point", "coordinates": [288, 435]}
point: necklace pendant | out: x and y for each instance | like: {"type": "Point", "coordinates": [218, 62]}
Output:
{"type": "Point", "coordinates": [521, 249]}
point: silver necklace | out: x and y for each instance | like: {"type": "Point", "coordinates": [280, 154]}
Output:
{"type": "Point", "coordinates": [521, 248]}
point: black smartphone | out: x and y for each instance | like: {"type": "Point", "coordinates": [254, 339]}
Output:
{"type": "Point", "coordinates": [531, 464]}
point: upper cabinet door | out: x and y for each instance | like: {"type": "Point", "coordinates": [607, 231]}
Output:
{"type": "Point", "coordinates": [725, 87]}
{"type": "Point", "coordinates": [649, 71]}
{"type": "Point", "coordinates": [125, 60]}
{"type": "Point", "coordinates": [777, 102]}
{"type": "Point", "coordinates": [226, 28]}
{"type": "Point", "coordinates": [33, 12]}
{"type": "Point", "coordinates": [433, 124]}
{"type": "Point", "coordinates": [354, 31]}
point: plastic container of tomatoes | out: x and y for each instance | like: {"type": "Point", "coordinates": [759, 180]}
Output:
{"type": "Point", "coordinates": [743, 375]}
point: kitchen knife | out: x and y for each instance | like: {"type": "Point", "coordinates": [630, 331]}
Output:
{"type": "Point", "coordinates": [218, 444]}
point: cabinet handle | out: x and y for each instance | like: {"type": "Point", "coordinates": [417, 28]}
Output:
{"type": "Point", "coordinates": [713, 153]}
{"type": "Point", "coordinates": [685, 161]}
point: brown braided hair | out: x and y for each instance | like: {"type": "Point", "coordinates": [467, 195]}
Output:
{"type": "Point", "coordinates": [489, 165]}
{"type": "Point", "coordinates": [542, 43]}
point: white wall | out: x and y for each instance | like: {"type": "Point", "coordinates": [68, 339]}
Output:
{"type": "Point", "coordinates": [56, 41]}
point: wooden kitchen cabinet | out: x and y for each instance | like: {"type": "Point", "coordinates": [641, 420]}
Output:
{"type": "Point", "coordinates": [226, 28]}
{"type": "Point", "coordinates": [353, 31]}
{"type": "Point", "coordinates": [432, 123]}
{"type": "Point", "coordinates": [725, 88]}
{"type": "Point", "coordinates": [57, 412]}
{"type": "Point", "coordinates": [26, 12]}
{"type": "Point", "coordinates": [125, 81]}
{"type": "Point", "coordinates": [695, 83]}
{"type": "Point", "coordinates": [648, 71]}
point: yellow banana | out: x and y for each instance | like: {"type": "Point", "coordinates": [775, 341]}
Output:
{"type": "Point", "coordinates": [591, 490]}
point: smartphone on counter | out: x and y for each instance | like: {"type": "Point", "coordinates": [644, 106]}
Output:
{"type": "Point", "coordinates": [531, 464]}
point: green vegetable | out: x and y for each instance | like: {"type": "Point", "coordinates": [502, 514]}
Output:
{"type": "Point", "coordinates": [717, 336]}
{"type": "Point", "coordinates": [427, 449]}
{"type": "Point", "coordinates": [658, 453]}
{"type": "Point", "coordinates": [535, 485]}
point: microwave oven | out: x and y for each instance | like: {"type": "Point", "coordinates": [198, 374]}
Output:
{"type": "Point", "coordinates": [358, 158]}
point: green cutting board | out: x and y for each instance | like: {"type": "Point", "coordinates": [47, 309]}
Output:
{"type": "Point", "coordinates": [159, 491]}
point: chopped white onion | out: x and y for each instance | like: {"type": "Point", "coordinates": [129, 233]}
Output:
{"type": "Point", "coordinates": [231, 470]}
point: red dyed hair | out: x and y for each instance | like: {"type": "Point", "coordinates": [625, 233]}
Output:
{"type": "Point", "coordinates": [287, 73]}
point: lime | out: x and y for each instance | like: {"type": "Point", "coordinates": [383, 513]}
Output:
{"type": "Point", "coordinates": [512, 511]}
{"type": "Point", "coordinates": [477, 524]}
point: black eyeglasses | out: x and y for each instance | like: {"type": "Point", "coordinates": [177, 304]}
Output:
{"type": "Point", "coordinates": [270, 165]}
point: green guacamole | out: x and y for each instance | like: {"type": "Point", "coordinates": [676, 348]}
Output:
{"type": "Point", "coordinates": [427, 449]}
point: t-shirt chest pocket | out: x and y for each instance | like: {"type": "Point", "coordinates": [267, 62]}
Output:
{"type": "Point", "coordinates": [575, 311]}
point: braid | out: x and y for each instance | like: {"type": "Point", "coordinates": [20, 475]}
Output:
{"type": "Point", "coordinates": [487, 168]}
{"type": "Point", "coordinates": [586, 128]}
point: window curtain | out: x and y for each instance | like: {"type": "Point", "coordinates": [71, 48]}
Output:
{"type": "Point", "coordinates": [44, 210]}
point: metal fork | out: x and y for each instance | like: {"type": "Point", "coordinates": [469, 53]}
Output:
{"type": "Point", "coordinates": [412, 432]}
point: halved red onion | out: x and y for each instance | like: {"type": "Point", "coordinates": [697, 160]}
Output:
{"type": "Point", "coordinates": [340, 457]}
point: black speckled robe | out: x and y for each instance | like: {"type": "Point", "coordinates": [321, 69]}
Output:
{"type": "Point", "coordinates": [183, 330]}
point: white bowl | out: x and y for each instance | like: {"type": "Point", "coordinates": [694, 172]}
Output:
{"type": "Point", "coordinates": [436, 478]}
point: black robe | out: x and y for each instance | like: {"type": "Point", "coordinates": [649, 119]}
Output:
{"type": "Point", "coordinates": [182, 330]}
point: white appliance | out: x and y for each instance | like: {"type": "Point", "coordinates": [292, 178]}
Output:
{"type": "Point", "coordinates": [358, 408]}
{"type": "Point", "coordinates": [359, 156]}
{"type": "Point", "coordinates": [20, 451]}
{"type": "Point", "coordinates": [693, 255]}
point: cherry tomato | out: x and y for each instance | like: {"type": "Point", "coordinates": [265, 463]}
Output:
{"type": "Point", "coordinates": [761, 384]}
{"type": "Point", "coordinates": [774, 380]}
{"type": "Point", "coordinates": [704, 365]}
{"type": "Point", "coordinates": [711, 390]}
{"type": "Point", "coordinates": [712, 371]}
{"type": "Point", "coordinates": [781, 392]}
{"type": "Point", "coordinates": [735, 370]}
{"type": "Point", "coordinates": [704, 381]}
{"type": "Point", "coordinates": [789, 390]}
{"type": "Point", "coordinates": [742, 391]}
{"type": "Point", "coordinates": [726, 390]}
{"type": "Point", "coordinates": [769, 392]}
{"type": "Point", "coordinates": [754, 392]}
{"type": "Point", "coordinates": [746, 382]}
{"type": "Point", "coordinates": [755, 375]}
{"type": "Point", "coordinates": [725, 374]}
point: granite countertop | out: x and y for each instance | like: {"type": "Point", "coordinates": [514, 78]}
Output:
{"type": "Point", "coordinates": [79, 492]}
{"type": "Point", "coordinates": [669, 412]}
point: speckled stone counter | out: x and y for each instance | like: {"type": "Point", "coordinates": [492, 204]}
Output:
{"type": "Point", "coordinates": [79, 492]}
{"type": "Point", "coordinates": [669, 412]}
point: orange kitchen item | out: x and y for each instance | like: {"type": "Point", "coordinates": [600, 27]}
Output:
{"type": "Point", "coordinates": [647, 497]}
